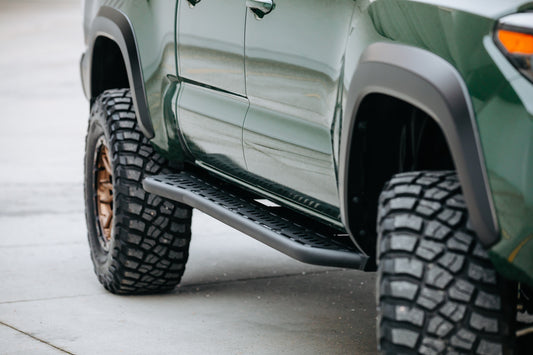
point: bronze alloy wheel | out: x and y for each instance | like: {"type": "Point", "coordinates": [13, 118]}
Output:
{"type": "Point", "coordinates": [103, 177]}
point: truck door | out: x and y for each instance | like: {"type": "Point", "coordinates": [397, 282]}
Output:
{"type": "Point", "coordinates": [294, 58]}
{"type": "Point", "coordinates": [211, 104]}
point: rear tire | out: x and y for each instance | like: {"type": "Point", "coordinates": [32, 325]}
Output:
{"type": "Point", "coordinates": [437, 289]}
{"type": "Point", "coordinates": [139, 242]}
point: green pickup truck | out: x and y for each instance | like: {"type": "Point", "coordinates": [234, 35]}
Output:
{"type": "Point", "coordinates": [383, 135]}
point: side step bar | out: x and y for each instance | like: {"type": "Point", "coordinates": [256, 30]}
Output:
{"type": "Point", "coordinates": [241, 211]}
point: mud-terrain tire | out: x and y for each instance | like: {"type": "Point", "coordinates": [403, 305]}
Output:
{"type": "Point", "coordinates": [139, 242]}
{"type": "Point", "coordinates": [437, 289]}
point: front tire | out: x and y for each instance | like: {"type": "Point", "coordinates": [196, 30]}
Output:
{"type": "Point", "coordinates": [437, 289]}
{"type": "Point", "coordinates": [139, 242]}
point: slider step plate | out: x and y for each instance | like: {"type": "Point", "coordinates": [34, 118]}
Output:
{"type": "Point", "coordinates": [274, 226]}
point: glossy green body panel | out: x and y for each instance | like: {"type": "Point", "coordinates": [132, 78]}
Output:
{"type": "Point", "coordinates": [153, 23]}
{"type": "Point", "coordinates": [213, 132]}
{"type": "Point", "coordinates": [501, 97]}
{"type": "Point", "coordinates": [292, 81]}
{"type": "Point", "coordinates": [211, 43]}
{"type": "Point", "coordinates": [211, 106]}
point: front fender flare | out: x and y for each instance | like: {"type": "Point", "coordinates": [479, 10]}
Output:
{"type": "Point", "coordinates": [433, 85]}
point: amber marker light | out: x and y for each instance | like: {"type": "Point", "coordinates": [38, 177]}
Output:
{"type": "Point", "coordinates": [514, 37]}
{"type": "Point", "coordinates": [516, 42]}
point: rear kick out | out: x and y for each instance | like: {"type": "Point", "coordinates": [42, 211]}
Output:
{"type": "Point", "coordinates": [388, 135]}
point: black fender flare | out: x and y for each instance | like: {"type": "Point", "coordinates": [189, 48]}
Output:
{"type": "Point", "coordinates": [116, 26]}
{"type": "Point", "coordinates": [433, 85]}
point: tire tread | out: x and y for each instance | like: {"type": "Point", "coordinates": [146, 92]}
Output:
{"type": "Point", "coordinates": [151, 234]}
{"type": "Point", "coordinates": [430, 260]}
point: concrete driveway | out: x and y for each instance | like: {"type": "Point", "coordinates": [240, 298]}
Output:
{"type": "Point", "coordinates": [237, 296]}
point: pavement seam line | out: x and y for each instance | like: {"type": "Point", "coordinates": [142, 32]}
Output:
{"type": "Point", "coordinates": [186, 287]}
{"type": "Point", "coordinates": [35, 213]}
{"type": "Point", "coordinates": [212, 283]}
{"type": "Point", "coordinates": [39, 245]}
{"type": "Point", "coordinates": [51, 299]}
{"type": "Point", "coordinates": [35, 338]}
{"type": "Point", "coordinates": [189, 286]}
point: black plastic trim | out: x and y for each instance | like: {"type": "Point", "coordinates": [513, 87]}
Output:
{"type": "Point", "coordinates": [115, 25]}
{"type": "Point", "coordinates": [305, 242]}
{"type": "Point", "coordinates": [83, 75]}
{"type": "Point", "coordinates": [433, 85]}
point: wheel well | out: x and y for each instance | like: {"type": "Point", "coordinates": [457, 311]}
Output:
{"type": "Point", "coordinates": [391, 136]}
{"type": "Point", "coordinates": [108, 68]}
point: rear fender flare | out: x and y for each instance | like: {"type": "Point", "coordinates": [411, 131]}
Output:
{"type": "Point", "coordinates": [115, 25]}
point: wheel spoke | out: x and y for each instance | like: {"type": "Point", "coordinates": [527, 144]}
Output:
{"type": "Point", "coordinates": [107, 220]}
{"type": "Point", "coordinates": [106, 163]}
{"type": "Point", "coordinates": [104, 192]}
